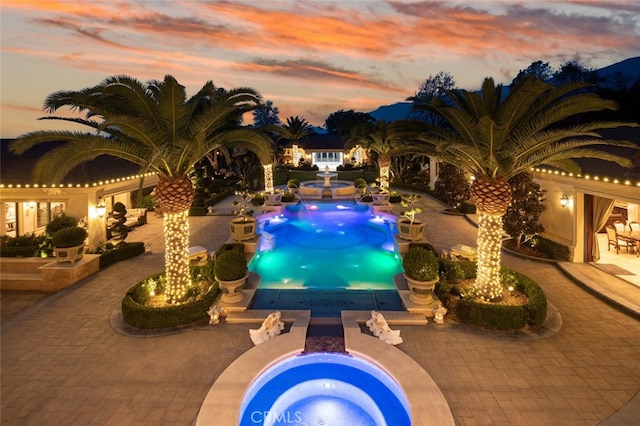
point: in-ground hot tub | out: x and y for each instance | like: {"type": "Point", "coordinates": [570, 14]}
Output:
{"type": "Point", "coordinates": [325, 389]}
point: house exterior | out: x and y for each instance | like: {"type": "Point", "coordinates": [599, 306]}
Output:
{"type": "Point", "coordinates": [27, 208]}
{"type": "Point", "coordinates": [323, 150]}
{"type": "Point", "coordinates": [574, 222]}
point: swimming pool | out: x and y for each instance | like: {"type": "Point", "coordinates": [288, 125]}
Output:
{"type": "Point", "coordinates": [325, 388]}
{"type": "Point", "coordinates": [327, 245]}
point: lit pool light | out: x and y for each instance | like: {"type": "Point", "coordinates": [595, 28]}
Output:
{"type": "Point", "coordinates": [327, 246]}
{"type": "Point", "coordinates": [325, 389]}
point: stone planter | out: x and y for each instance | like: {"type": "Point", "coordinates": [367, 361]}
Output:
{"type": "Point", "coordinates": [410, 231]}
{"type": "Point", "coordinates": [232, 290]}
{"type": "Point", "coordinates": [243, 229]}
{"type": "Point", "coordinates": [69, 254]}
{"type": "Point", "coordinates": [421, 291]}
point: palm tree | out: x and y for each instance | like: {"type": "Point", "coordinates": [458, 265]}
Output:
{"type": "Point", "coordinates": [294, 130]}
{"type": "Point", "coordinates": [386, 140]}
{"type": "Point", "coordinates": [155, 126]}
{"type": "Point", "coordinates": [493, 138]}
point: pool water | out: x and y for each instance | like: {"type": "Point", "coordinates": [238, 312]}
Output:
{"type": "Point", "coordinates": [327, 245]}
{"type": "Point", "coordinates": [325, 389]}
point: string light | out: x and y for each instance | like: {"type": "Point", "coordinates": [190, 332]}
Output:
{"type": "Point", "coordinates": [487, 284]}
{"type": "Point", "coordinates": [268, 178]}
{"type": "Point", "coordinates": [176, 257]}
{"type": "Point", "coordinates": [384, 178]}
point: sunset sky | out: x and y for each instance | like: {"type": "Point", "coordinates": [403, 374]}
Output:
{"type": "Point", "coordinates": [311, 58]}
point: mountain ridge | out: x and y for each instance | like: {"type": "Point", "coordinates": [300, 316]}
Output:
{"type": "Point", "coordinates": [629, 67]}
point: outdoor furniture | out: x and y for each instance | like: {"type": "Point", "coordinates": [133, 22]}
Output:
{"type": "Point", "coordinates": [198, 255]}
{"type": "Point", "coordinates": [461, 251]}
{"type": "Point", "coordinates": [615, 240]}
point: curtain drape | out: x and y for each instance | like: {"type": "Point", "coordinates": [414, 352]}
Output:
{"type": "Point", "coordinates": [602, 208]}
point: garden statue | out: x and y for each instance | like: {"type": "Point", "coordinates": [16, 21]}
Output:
{"type": "Point", "coordinates": [379, 327]}
{"type": "Point", "coordinates": [214, 315]}
{"type": "Point", "coordinates": [271, 327]}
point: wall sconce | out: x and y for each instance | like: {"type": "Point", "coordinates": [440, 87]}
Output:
{"type": "Point", "coordinates": [564, 201]}
{"type": "Point", "coordinates": [101, 208]}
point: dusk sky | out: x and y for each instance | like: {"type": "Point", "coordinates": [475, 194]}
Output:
{"type": "Point", "coordinates": [311, 58]}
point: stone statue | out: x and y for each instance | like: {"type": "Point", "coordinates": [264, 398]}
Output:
{"type": "Point", "coordinates": [271, 327]}
{"type": "Point", "coordinates": [214, 315]}
{"type": "Point", "coordinates": [379, 327]}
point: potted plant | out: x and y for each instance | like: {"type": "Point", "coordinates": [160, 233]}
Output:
{"type": "Point", "coordinates": [421, 272]}
{"type": "Point", "coordinates": [68, 243]}
{"type": "Point", "coordinates": [244, 226]}
{"type": "Point", "coordinates": [230, 271]}
{"type": "Point", "coordinates": [410, 228]}
{"type": "Point", "coordinates": [293, 185]}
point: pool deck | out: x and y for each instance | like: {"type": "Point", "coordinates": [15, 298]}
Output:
{"type": "Point", "coordinates": [63, 362]}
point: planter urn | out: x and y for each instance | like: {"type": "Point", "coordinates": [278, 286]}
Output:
{"type": "Point", "coordinates": [243, 229]}
{"type": "Point", "coordinates": [410, 231]}
{"type": "Point", "coordinates": [231, 291]}
{"type": "Point", "coordinates": [69, 254]}
{"type": "Point", "coordinates": [421, 291]}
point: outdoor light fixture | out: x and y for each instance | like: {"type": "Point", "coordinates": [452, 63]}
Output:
{"type": "Point", "coordinates": [101, 208]}
{"type": "Point", "coordinates": [564, 201]}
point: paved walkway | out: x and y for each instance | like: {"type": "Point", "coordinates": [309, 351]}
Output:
{"type": "Point", "coordinates": [62, 363]}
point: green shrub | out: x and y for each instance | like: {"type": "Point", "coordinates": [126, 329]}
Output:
{"type": "Point", "coordinates": [552, 249]}
{"type": "Point", "coordinates": [459, 270]}
{"type": "Point", "coordinates": [395, 197]}
{"type": "Point", "coordinates": [197, 211]}
{"type": "Point", "coordinates": [69, 237]}
{"type": "Point", "coordinates": [138, 315]}
{"type": "Point", "coordinates": [258, 200]}
{"type": "Point", "coordinates": [120, 252]}
{"type": "Point", "coordinates": [220, 196]}
{"type": "Point", "coordinates": [288, 197]}
{"type": "Point", "coordinates": [467, 208]}
{"type": "Point", "coordinates": [420, 264]}
{"type": "Point", "coordinates": [536, 308]}
{"type": "Point", "coordinates": [490, 315]}
{"type": "Point", "coordinates": [239, 247]}
{"type": "Point", "coordinates": [360, 183]}
{"type": "Point", "coordinates": [28, 245]}
{"type": "Point", "coordinates": [230, 265]}
{"type": "Point", "coordinates": [60, 222]}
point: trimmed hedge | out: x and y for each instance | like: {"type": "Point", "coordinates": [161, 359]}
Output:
{"type": "Point", "coordinates": [490, 315]}
{"type": "Point", "coordinates": [552, 249]}
{"type": "Point", "coordinates": [141, 316]}
{"type": "Point", "coordinates": [123, 251]}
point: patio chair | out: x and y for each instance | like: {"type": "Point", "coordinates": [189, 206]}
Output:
{"type": "Point", "coordinates": [634, 226]}
{"type": "Point", "coordinates": [615, 241]}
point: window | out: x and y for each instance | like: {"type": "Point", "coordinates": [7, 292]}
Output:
{"type": "Point", "coordinates": [43, 214]}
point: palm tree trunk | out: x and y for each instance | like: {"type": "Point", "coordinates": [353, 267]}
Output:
{"type": "Point", "coordinates": [487, 284]}
{"type": "Point", "coordinates": [176, 257]}
{"type": "Point", "coordinates": [492, 198]}
{"type": "Point", "coordinates": [384, 164]}
{"type": "Point", "coordinates": [174, 195]}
